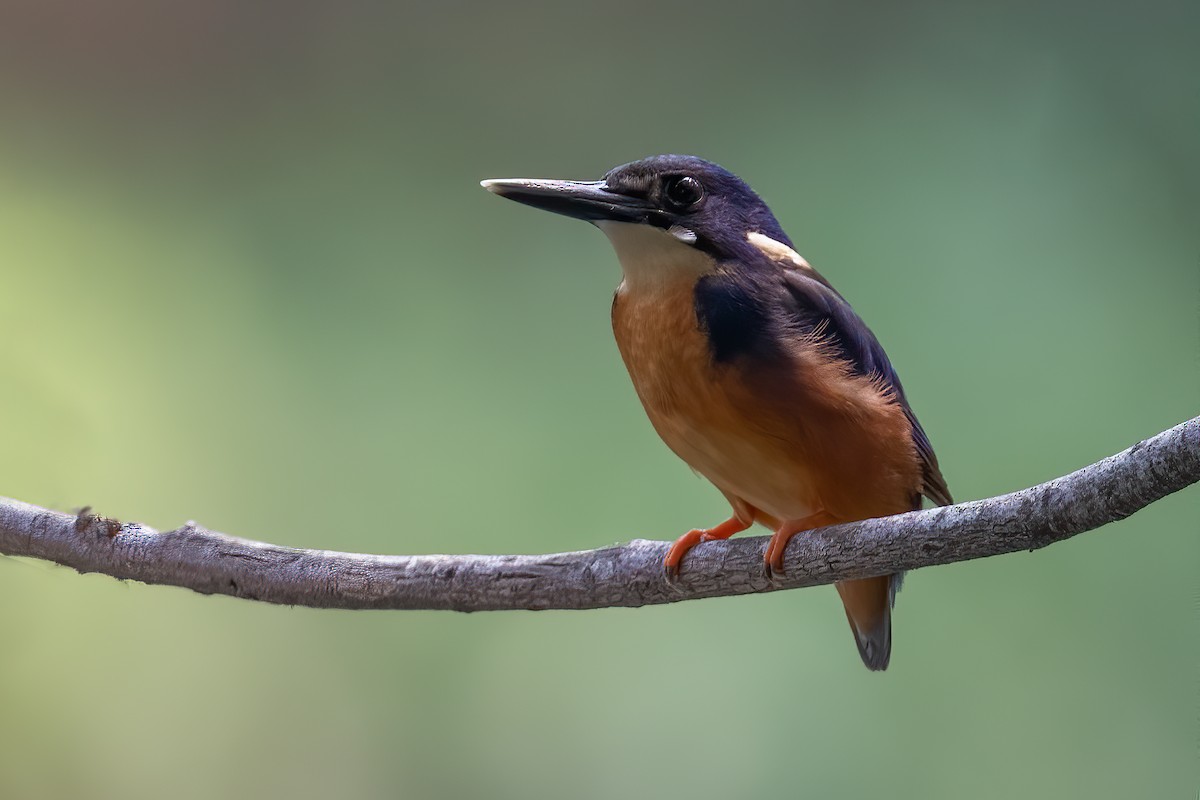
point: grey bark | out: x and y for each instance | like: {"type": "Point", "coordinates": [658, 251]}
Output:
{"type": "Point", "coordinates": [628, 575]}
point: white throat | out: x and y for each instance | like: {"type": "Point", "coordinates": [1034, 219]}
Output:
{"type": "Point", "coordinates": [652, 258]}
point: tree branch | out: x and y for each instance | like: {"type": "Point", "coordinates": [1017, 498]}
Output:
{"type": "Point", "coordinates": [629, 575]}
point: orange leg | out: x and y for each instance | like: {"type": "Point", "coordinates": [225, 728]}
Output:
{"type": "Point", "coordinates": [693, 537]}
{"type": "Point", "coordinates": [779, 542]}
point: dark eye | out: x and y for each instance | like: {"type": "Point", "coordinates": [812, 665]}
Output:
{"type": "Point", "coordinates": [683, 192]}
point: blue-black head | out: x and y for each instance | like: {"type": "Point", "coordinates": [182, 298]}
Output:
{"type": "Point", "coordinates": [696, 202]}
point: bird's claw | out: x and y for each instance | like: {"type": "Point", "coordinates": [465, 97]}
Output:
{"type": "Point", "coordinates": [671, 576]}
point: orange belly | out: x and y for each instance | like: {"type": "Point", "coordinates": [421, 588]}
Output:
{"type": "Point", "coordinates": [781, 443]}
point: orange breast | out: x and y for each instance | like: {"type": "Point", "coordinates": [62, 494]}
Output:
{"type": "Point", "coordinates": [787, 441]}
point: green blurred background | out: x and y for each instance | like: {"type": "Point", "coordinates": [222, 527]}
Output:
{"type": "Point", "coordinates": [250, 279]}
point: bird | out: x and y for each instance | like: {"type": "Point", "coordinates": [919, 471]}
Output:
{"type": "Point", "coordinates": [751, 367]}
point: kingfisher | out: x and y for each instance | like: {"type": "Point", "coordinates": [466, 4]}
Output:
{"type": "Point", "coordinates": [752, 368]}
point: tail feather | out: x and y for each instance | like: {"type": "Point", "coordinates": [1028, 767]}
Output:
{"type": "Point", "coordinates": [868, 605]}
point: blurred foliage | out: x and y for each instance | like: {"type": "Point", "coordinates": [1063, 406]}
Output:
{"type": "Point", "coordinates": [250, 278]}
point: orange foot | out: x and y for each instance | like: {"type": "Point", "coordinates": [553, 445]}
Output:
{"type": "Point", "coordinates": [779, 542]}
{"type": "Point", "coordinates": [693, 537]}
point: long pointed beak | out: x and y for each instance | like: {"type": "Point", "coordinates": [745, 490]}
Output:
{"type": "Point", "coordinates": [592, 201]}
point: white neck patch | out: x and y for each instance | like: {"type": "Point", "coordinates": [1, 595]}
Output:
{"type": "Point", "coordinates": [776, 251]}
{"type": "Point", "coordinates": [651, 257]}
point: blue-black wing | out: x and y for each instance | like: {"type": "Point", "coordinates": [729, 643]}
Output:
{"type": "Point", "coordinates": [815, 306]}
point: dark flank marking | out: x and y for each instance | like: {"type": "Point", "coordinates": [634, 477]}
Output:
{"type": "Point", "coordinates": [732, 316]}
